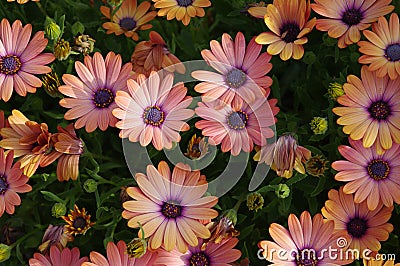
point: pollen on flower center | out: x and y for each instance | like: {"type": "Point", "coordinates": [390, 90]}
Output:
{"type": "Point", "coordinates": [10, 64]}
{"type": "Point", "coordinates": [199, 259]}
{"type": "Point", "coordinates": [102, 98]}
{"type": "Point", "coordinates": [352, 16]}
{"type": "Point", "coordinates": [171, 210]}
{"type": "Point", "coordinates": [153, 115]}
{"type": "Point", "coordinates": [237, 120]}
{"type": "Point", "coordinates": [378, 169]}
{"type": "Point", "coordinates": [290, 31]}
{"type": "Point", "coordinates": [127, 23]}
{"type": "Point", "coordinates": [184, 3]}
{"type": "Point", "coordinates": [235, 78]}
{"type": "Point", "coordinates": [305, 257]}
{"type": "Point", "coordinates": [379, 110]}
{"type": "Point", "coordinates": [357, 227]}
{"type": "Point", "coordinates": [393, 52]}
{"type": "Point", "coordinates": [3, 185]}
{"type": "Point", "coordinates": [79, 223]}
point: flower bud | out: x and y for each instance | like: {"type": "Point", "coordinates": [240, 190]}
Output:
{"type": "Point", "coordinates": [255, 201]}
{"type": "Point", "coordinates": [282, 191]}
{"type": "Point", "coordinates": [51, 29]}
{"type": "Point", "coordinates": [136, 248]}
{"type": "Point", "coordinates": [59, 209]}
{"type": "Point", "coordinates": [90, 186]}
{"type": "Point", "coordinates": [5, 252]}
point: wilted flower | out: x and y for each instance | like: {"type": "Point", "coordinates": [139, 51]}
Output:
{"type": "Point", "coordinates": [316, 165]}
{"type": "Point", "coordinates": [284, 155]}
{"type": "Point", "coordinates": [335, 90]}
{"type": "Point", "coordinates": [319, 125]}
{"type": "Point", "coordinates": [136, 248]}
{"type": "Point", "coordinates": [54, 236]}
{"type": "Point", "coordinates": [10, 234]}
{"type": "Point", "coordinates": [222, 228]}
{"type": "Point", "coordinates": [83, 44]}
{"type": "Point", "coordinates": [5, 252]}
{"type": "Point", "coordinates": [197, 147]}
{"type": "Point", "coordinates": [51, 82]}
{"type": "Point", "coordinates": [59, 209]}
{"type": "Point", "coordinates": [51, 29]}
{"type": "Point", "coordinates": [255, 201]}
{"type": "Point", "coordinates": [78, 222]}
{"type": "Point", "coordinates": [62, 49]}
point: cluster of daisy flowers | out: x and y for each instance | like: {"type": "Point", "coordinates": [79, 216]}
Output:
{"type": "Point", "coordinates": [177, 221]}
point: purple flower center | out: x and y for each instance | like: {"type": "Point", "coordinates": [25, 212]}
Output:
{"type": "Point", "coordinates": [184, 3]}
{"type": "Point", "coordinates": [357, 227]}
{"type": "Point", "coordinates": [352, 16]}
{"type": "Point", "coordinates": [393, 52]}
{"type": "Point", "coordinates": [199, 259]}
{"type": "Point", "coordinates": [235, 78]}
{"type": "Point", "coordinates": [127, 23]}
{"type": "Point", "coordinates": [171, 210]}
{"type": "Point", "coordinates": [237, 120]}
{"type": "Point", "coordinates": [378, 169]}
{"type": "Point", "coordinates": [153, 115]}
{"type": "Point", "coordinates": [3, 185]}
{"type": "Point", "coordinates": [290, 31]}
{"type": "Point", "coordinates": [79, 222]}
{"type": "Point", "coordinates": [306, 257]}
{"type": "Point", "coordinates": [379, 110]}
{"type": "Point", "coordinates": [9, 64]}
{"type": "Point", "coordinates": [102, 98]}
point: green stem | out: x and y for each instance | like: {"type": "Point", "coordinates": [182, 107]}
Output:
{"type": "Point", "coordinates": [239, 202]}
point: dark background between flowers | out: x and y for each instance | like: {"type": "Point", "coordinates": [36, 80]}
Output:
{"type": "Point", "coordinates": [300, 87]}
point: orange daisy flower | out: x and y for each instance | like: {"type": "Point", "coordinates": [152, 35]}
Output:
{"type": "Point", "coordinates": [153, 55]}
{"type": "Point", "coordinates": [382, 51]}
{"type": "Point", "coordinates": [288, 22]}
{"type": "Point", "coordinates": [345, 18]}
{"type": "Point", "coordinates": [78, 222]}
{"type": "Point", "coordinates": [182, 10]}
{"type": "Point", "coordinates": [129, 18]}
{"type": "Point", "coordinates": [22, 1]}
{"type": "Point", "coordinates": [362, 228]}
{"type": "Point", "coordinates": [371, 110]}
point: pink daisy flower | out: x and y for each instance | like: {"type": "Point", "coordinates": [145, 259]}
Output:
{"type": "Point", "coordinates": [170, 207]}
{"type": "Point", "coordinates": [117, 256]}
{"type": "Point", "coordinates": [370, 176]}
{"type": "Point", "coordinates": [212, 255]}
{"type": "Point", "coordinates": [305, 243]}
{"type": "Point", "coordinates": [93, 92]}
{"type": "Point", "coordinates": [21, 59]}
{"type": "Point", "coordinates": [12, 181]}
{"type": "Point", "coordinates": [237, 127]}
{"type": "Point", "coordinates": [241, 71]}
{"type": "Point", "coordinates": [153, 110]}
{"type": "Point", "coordinates": [70, 257]}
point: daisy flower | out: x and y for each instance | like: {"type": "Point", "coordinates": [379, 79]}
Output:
{"type": "Point", "coordinates": [354, 221]}
{"type": "Point", "coordinates": [182, 10]}
{"type": "Point", "coordinates": [371, 110]}
{"type": "Point", "coordinates": [382, 51]}
{"type": "Point", "coordinates": [170, 207]}
{"type": "Point", "coordinates": [370, 176]}
{"type": "Point", "coordinates": [237, 127]}
{"type": "Point", "coordinates": [21, 59]}
{"type": "Point", "coordinates": [288, 22]}
{"type": "Point", "coordinates": [346, 18]}
{"type": "Point", "coordinates": [117, 255]}
{"type": "Point", "coordinates": [241, 71]}
{"type": "Point", "coordinates": [12, 182]}
{"type": "Point", "coordinates": [128, 19]}
{"type": "Point", "coordinates": [213, 255]}
{"type": "Point", "coordinates": [78, 221]}
{"type": "Point", "coordinates": [305, 243]}
{"type": "Point", "coordinates": [153, 55]}
{"type": "Point", "coordinates": [153, 110]}
{"type": "Point", "coordinates": [22, 1]}
{"type": "Point", "coordinates": [70, 257]}
{"type": "Point", "coordinates": [283, 156]}
{"type": "Point", "coordinates": [93, 91]}
{"type": "Point", "coordinates": [28, 139]}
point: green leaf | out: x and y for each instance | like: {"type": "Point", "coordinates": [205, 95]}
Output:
{"type": "Point", "coordinates": [319, 188]}
{"type": "Point", "coordinates": [77, 28]}
{"type": "Point", "coordinates": [296, 178]}
{"type": "Point", "coordinates": [51, 196]}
